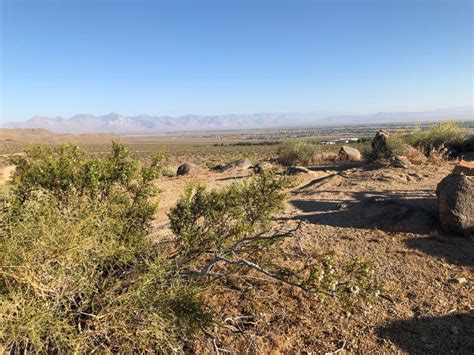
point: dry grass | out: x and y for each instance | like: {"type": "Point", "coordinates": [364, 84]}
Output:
{"type": "Point", "coordinates": [415, 155]}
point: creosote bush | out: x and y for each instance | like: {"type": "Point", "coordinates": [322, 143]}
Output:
{"type": "Point", "coordinates": [444, 133]}
{"type": "Point", "coordinates": [210, 223]}
{"type": "Point", "coordinates": [79, 272]}
{"type": "Point", "coordinates": [296, 151]}
{"type": "Point", "coordinates": [168, 171]}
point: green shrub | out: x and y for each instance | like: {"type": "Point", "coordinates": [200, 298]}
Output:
{"type": "Point", "coordinates": [78, 273]}
{"type": "Point", "coordinates": [214, 220]}
{"type": "Point", "coordinates": [168, 171]}
{"type": "Point", "coordinates": [443, 133]}
{"type": "Point", "coordinates": [292, 152]}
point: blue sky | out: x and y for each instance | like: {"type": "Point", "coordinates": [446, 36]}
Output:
{"type": "Point", "coordinates": [65, 57]}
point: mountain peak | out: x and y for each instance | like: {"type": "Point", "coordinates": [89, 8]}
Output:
{"type": "Point", "coordinates": [147, 124]}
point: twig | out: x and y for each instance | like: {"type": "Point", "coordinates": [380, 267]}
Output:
{"type": "Point", "coordinates": [338, 350]}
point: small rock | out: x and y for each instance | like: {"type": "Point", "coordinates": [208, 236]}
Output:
{"type": "Point", "coordinates": [262, 167]}
{"type": "Point", "coordinates": [186, 169]}
{"type": "Point", "coordinates": [400, 161]}
{"type": "Point", "coordinates": [459, 280]}
{"type": "Point", "coordinates": [354, 290]}
{"type": "Point", "coordinates": [454, 330]}
{"type": "Point", "coordinates": [342, 206]}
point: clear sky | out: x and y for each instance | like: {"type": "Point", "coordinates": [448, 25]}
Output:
{"type": "Point", "coordinates": [61, 58]}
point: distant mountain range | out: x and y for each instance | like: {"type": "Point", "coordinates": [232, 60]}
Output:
{"type": "Point", "coordinates": [146, 124]}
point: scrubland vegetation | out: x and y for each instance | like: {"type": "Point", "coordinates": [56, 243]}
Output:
{"type": "Point", "coordinates": [83, 268]}
{"type": "Point", "coordinates": [443, 134]}
{"type": "Point", "coordinates": [80, 272]}
{"type": "Point", "coordinates": [294, 152]}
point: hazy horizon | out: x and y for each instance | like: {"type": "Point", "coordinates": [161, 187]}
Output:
{"type": "Point", "coordinates": [213, 58]}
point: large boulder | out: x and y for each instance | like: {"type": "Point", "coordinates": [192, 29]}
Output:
{"type": "Point", "coordinates": [400, 161]}
{"type": "Point", "coordinates": [379, 143]}
{"type": "Point", "coordinates": [349, 154]}
{"type": "Point", "coordinates": [456, 202]}
{"type": "Point", "coordinates": [187, 169]}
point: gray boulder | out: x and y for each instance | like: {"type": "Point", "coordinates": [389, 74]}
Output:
{"type": "Point", "coordinates": [400, 161]}
{"type": "Point", "coordinates": [349, 154]}
{"type": "Point", "coordinates": [456, 203]}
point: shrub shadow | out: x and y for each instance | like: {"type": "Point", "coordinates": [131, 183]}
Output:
{"type": "Point", "coordinates": [452, 333]}
{"type": "Point", "coordinates": [390, 211]}
{"type": "Point", "coordinates": [454, 249]}
{"type": "Point", "coordinates": [239, 177]}
{"type": "Point", "coordinates": [340, 167]}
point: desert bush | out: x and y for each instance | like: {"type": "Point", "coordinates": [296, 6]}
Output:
{"type": "Point", "coordinates": [216, 219]}
{"type": "Point", "coordinates": [415, 155]}
{"type": "Point", "coordinates": [168, 171]}
{"type": "Point", "coordinates": [80, 274]}
{"type": "Point", "coordinates": [443, 133]}
{"type": "Point", "coordinates": [293, 152]}
{"type": "Point", "coordinates": [325, 157]}
{"type": "Point", "coordinates": [223, 232]}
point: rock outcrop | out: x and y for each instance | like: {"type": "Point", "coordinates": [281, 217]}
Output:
{"type": "Point", "coordinates": [464, 167]}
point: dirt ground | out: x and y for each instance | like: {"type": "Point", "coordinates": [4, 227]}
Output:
{"type": "Point", "coordinates": [372, 212]}
{"type": "Point", "coordinates": [367, 211]}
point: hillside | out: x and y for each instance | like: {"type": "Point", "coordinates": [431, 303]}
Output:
{"type": "Point", "coordinates": [40, 135]}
